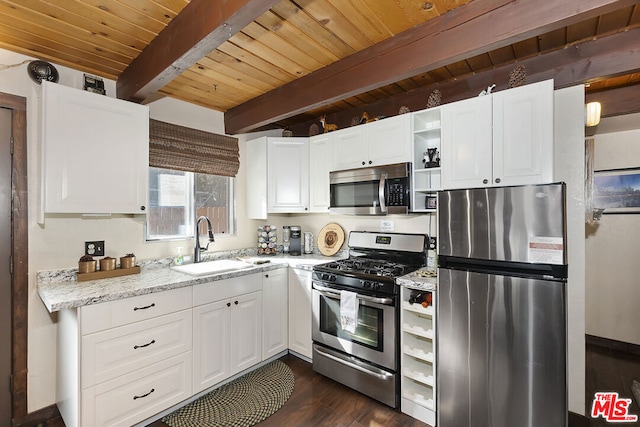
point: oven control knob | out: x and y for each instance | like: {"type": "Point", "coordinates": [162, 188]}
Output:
{"type": "Point", "coordinates": [366, 285]}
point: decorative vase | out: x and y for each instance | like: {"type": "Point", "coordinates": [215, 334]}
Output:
{"type": "Point", "coordinates": [86, 266]}
{"type": "Point", "coordinates": [127, 262]}
{"type": "Point", "coordinates": [107, 264]}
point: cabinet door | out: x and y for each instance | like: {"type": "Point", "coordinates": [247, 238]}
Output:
{"type": "Point", "coordinates": [300, 312]}
{"type": "Point", "coordinates": [320, 164]}
{"type": "Point", "coordinates": [288, 174]}
{"type": "Point", "coordinates": [275, 324]}
{"type": "Point", "coordinates": [211, 338]}
{"type": "Point", "coordinates": [257, 178]}
{"type": "Point", "coordinates": [246, 331]}
{"type": "Point", "coordinates": [350, 148]}
{"type": "Point", "coordinates": [523, 135]}
{"type": "Point", "coordinates": [389, 140]}
{"type": "Point", "coordinates": [467, 143]}
{"type": "Point", "coordinates": [95, 152]}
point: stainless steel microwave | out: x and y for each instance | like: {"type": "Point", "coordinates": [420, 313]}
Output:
{"type": "Point", "coordinates": [377, 190]}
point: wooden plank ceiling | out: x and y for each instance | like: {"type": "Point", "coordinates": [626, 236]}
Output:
{"type": "Point", "coordinates": [249, 58]}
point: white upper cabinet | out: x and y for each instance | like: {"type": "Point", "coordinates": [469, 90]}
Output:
{"type": "Point", "coordinates": [288, 175]}
{"type": "Point", "coordinates": [466, 143]}
{"type": "Point", "coordinates": [501, 139]}
{"type": "Point", "coordinates": [95, 153]}
{"type": "Point", "coordinates": [523, 134]}
{"type": "Point", "coordinates": [381, 142]}
{"type": "Point", "coordinates": [320, 164]}
{"type": "Point", "coordinates": [257, 178]}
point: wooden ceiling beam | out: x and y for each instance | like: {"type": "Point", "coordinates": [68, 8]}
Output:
{"type": "Point", "coordinates": [478, 27]}
{"type": "Point", "coordinates": [618, 101]}
{"type": "Point", "coordinates": [198, 29]}
{"type": "Point", "coordinates": [606, 57]}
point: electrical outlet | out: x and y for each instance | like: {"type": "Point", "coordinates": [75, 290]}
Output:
{"type": "Point", "coordinates": [433, 243]}
{"type": "Point", "coordinates": [94, 248]}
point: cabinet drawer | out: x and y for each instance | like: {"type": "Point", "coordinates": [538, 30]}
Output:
{"type": "Point", "coordinates": [112, 314]}
{"type": "Point", "coordinates": [114, 352]}
{"type": "Point", "coordinates": [132, 398]}
{"type": "Point", "coordinates": [227, 288]}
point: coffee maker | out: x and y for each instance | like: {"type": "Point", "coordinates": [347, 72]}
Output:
{"type": "Point", "coordinates": [295, 242]}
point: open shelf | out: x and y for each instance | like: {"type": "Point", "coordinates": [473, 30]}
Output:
{"type": "Point", "coordinates": [427, 181]}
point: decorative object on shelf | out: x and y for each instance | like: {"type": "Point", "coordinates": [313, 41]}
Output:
{"type": "Point", "coordinates": [94, 84]}
{"type": "Point", "coordinates": [328, 127]}
{"type": "Point", "coordinates": [107, 264]}
{"type": "Point", "coordinates": [267, 240]}
{"type": "Point", "coordinates": [287, 133]}
{"type": "Point", "coordinates": [430, 202]}
{"type": "Point", "coordinates": [404, 110]}
{"type": "Point", "coordinates": [314, 129]}
{"type": "Point", "coordinates": [355, 121]}
{"type": "Point", "coordinates": [86, 264]}
{"type": "Point", "coordinates": [431, 158]}
{"type": "Point", "coordinates": [366, 119]}
{"type": "Point", "coordinates": [518, 76]}
{"type": "Point", "coordinates": [435, 98]}
{"type": "Point", "coordinates": [128, 261]}
{"type": "Point", "coordinates": [330, 239]}
{"type": "Point", "coordinates": [488, 90]}
{"type": "Point", "coordinates": [42, 70]}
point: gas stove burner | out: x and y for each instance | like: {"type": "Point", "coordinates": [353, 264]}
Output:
{"type": "Point", "coordinates": [369, 266]}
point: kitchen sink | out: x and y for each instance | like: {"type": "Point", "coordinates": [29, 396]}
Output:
{"type": "Point", "coordinates": [212, 267]}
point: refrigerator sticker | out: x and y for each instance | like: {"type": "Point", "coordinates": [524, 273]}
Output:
{"type": "Point", "coordinates": [546, 250]}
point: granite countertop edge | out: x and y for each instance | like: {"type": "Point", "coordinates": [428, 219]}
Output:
{"type": "Point", "coordinates": [415, 281]}
{"type": "Point", "coordinates": [60, 290]}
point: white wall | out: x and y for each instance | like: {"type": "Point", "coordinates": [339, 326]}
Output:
{"type": "Point", "coordinates": [612, 248]}
{"type": "Point", "coordinates": [60, 241]}
{"type": "Point", "coordinates": [569, 167]}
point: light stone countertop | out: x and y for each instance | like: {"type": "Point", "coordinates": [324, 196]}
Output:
{"type": "Point", "coordinates": [60, 290]}
{"type": "Point", "coordinates": [415, 281]}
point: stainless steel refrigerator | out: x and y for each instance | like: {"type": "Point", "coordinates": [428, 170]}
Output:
{"type": "Point", "coordinates": [501, 325]}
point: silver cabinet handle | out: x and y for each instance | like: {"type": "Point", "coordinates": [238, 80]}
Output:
{"type": "Point", "coordinates": [330, 293]}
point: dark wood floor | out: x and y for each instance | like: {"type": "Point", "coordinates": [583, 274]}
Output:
{"type": "Point", "coordinates": [609, 369]}
{"type": "Point", "coordinates": [319, 401]}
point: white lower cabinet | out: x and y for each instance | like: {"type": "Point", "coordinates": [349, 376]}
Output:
{"type": "Point", "coordinates": [418, 352]}
{"type": "Point", "coordinates": [123, 361]}
{"type": "Point", "coordinates": [227, 329]}
{"type": "Point", "coordinates": [300, 340]}
{"type": "Point", "coordinates": [275, 324]}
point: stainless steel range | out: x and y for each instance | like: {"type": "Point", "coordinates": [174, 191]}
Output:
{"type": "Point", "coordinates": [364, 356]}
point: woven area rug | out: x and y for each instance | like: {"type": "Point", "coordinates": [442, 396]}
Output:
{"type": "Point", "coordinates": [244, 401]}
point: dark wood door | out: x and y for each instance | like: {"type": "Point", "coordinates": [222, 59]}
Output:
{"type": "Point", "coordinates": [5, 273]}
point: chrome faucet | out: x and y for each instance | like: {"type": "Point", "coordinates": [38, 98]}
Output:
{"type": "Point", "coordinates": [197, 255]}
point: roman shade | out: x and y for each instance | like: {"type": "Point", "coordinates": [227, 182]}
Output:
{"type": "Point", "coordinates": [182, 148]}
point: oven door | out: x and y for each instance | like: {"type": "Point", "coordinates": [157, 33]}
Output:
{"type": "Point", "coordinates": [374, 339]}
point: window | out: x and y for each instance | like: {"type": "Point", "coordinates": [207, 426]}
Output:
{"type": "Point", "coordinates": [178, 198]}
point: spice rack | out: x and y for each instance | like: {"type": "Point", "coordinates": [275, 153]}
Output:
{"type": "Point", "coordinates": [83, 277]}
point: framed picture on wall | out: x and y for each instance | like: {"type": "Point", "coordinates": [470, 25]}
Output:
{"type": "Point", "coordinates": [617, 190]}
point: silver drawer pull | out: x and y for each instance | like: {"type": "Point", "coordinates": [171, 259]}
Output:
{"type": "Point", "coordinates": [144, 308]}
{"type": "Point", "coordinates": [144, 395]}
{"type": "Point", "coordinates": [135, 347]}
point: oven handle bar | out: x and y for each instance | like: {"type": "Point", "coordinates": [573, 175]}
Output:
{"type": "Point", "coordinates": [382, 374]}
{"type": "Point", "coordinates": [329, 292]}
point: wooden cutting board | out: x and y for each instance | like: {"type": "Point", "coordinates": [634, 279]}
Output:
{"type": "Point", "coordinates": [330, 239]}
